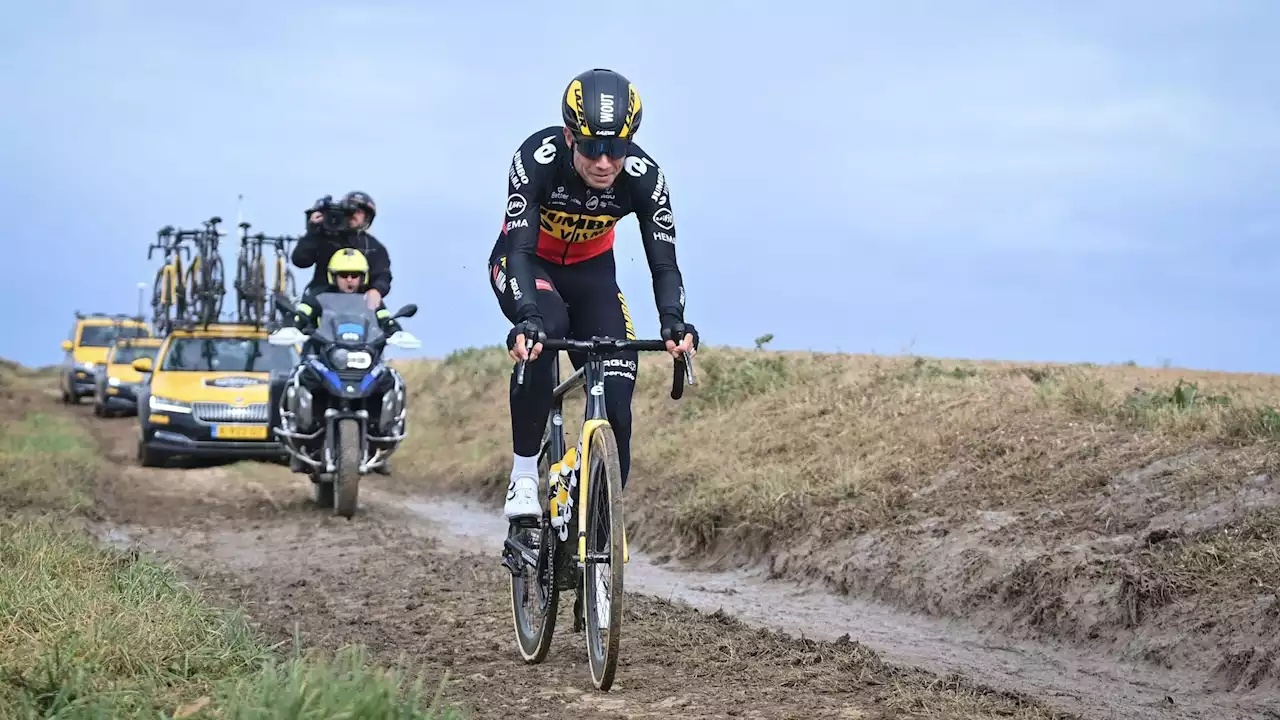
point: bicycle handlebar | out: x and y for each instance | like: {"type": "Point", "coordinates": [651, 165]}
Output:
{"type": "Point", "coordinates": [681, 373]}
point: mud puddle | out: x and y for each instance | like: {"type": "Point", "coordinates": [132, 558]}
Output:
{"type": "Point", "coordinates": [1066, 678]}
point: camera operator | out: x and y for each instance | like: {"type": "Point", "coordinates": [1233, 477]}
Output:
{"type": "Point", "coordinates": [345, 224]}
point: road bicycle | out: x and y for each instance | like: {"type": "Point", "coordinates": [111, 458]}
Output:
{"type": "Point", "coordinates": [251, 292]}
{"type": "Point", "coordinates": [251, 286]}
{"type": "Point", "coordinates": [542, 558]}
{"type": "Point", "coordinates": [205, 282]}
{"type": "Point", "coordinates": [282, 282]}
{"type": "Point", "coordinates": [168, 292]}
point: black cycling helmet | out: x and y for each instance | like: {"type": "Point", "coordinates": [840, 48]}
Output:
{"type": "Point", "coordinates": [601, 103]}
{"type": "Point", "coordinates": [362, 200]}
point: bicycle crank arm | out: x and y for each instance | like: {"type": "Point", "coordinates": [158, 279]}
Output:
{"type": "Point", "coordinates": [512, 548]}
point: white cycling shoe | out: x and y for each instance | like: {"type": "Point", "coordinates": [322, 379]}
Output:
{"type": "Point", "coordinates": [522, 498]}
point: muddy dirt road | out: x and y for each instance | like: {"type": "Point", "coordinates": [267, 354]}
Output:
{"type": "Point", "coordinates": [418, 580]}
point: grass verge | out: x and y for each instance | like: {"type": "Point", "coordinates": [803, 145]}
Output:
{"type": "Point", "coordinates": [95, 632]}
{"type": "Point", "coordinates": [945, 485]}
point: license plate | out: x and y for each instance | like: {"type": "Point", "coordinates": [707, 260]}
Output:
{"type": "Point", "coordinates": [240, 432]}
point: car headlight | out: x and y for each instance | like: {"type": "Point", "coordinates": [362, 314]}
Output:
{"type": "Point", "coordinates": [88, 366]}
{"type": "Point", "coordinates": [113, 381]}
{"type": "Point", "coordinates": [164, 404]}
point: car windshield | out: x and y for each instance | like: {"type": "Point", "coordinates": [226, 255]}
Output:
{"type": "Point", "coordinates": [228, 355]}
{"type": "Point", "coordinates": [123, 354]}
{"type": "Point", "coordinates": [106, 335]}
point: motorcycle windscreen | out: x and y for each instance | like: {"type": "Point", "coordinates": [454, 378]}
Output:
{"type": "Point", "coordinates": [346, 319]}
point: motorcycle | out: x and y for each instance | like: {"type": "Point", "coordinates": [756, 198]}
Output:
{"type": "Point", "coordinates": [342, 371]}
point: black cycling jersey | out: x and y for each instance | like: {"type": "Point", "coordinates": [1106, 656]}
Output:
{"type": "Point", "coordinates": [554, 215]}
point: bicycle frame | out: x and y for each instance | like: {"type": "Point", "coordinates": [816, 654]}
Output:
{"type": "Point", "coordinates": [590, 377]}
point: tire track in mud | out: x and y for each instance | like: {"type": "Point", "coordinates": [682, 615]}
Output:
{"type": "Point", "coordinates": [432, 594]}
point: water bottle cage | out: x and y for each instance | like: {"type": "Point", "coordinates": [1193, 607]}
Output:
{"type": "Point", "coordinates": [562, 483]}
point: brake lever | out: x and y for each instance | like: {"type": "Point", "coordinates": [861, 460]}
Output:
{"type": "Point", "coordinates": [528, 348]}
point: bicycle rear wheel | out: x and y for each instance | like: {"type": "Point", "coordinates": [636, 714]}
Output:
{"type": "Point", "coordinates": [534, 597]}
{"type": "Point", "coordinates": [602, 572]}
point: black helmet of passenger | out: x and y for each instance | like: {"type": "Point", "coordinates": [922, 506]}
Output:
{"type": "Point", "coordinates": [362, 200]}
{"type": "Point", "coordinates": [601, 103]}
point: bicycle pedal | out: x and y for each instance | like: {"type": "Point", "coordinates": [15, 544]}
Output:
{"type": "Point", "coordinates": [509, 561]}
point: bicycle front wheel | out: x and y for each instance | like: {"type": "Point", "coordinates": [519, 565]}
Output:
{"type": "Point", "coordinates": [258, 283]}
{"type": "Point", "coordinates": [160, 303]}
{"type": "Point", "coordinates": [534, 597]}
{"type": "Point", "coordinates": [602, 572]}
{"type": "Point", "coordinates": [214, 287]}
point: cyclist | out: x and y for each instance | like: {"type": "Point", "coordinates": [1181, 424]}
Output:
{"type": "Point", "coordinates": [319, 244]}
{"type": "Point", "coordinates": [552, 267]}
{"type": "Point", "coordinates": [348, 272]}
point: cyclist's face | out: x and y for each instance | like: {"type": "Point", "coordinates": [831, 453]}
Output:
{"type": "Point", "coordinates": [598, 173]}
{"type": "Point", "coordinates": [348, 282]}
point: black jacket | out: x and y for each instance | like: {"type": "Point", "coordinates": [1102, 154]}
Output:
{"type": "Point", "coordinates": [315, 248]}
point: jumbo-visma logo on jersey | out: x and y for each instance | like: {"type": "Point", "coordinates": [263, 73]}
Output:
{"type": "Point", "coordinates": [574, 228]}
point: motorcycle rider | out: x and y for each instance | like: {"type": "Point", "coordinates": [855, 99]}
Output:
{"type": "Point", "coordinates": [320, 243]}
{"type": "Point", "coordinates": [552, 267]}
{"type": "Point", "coordinates": [347, 272]}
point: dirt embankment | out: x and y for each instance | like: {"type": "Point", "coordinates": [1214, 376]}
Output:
{"type": "Point", "coordinates": [251, 536]}
{"type": "Point", "coordinates": [1129, 511]}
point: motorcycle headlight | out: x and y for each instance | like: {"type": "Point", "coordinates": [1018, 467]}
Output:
{"type": "Point", "coordinates": [344, 359]}
{"type": "Point", "coordinates": [113, 381]}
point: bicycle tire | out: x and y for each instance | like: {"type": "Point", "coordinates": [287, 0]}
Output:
{"type": "Point", "coordinates": [258, 285]}
{"type": "Point", "coordinates": [179, 297]}
{"type": "Point", "coordinates": [193, 289]}
{"type": "Point", "coordinates": [214, 288]}
{"type": "Point", "coordinates": [604, 497]}
{"type": "Point", "coordinates": [160, 303]}
{"type": "Point", "coordinates": [533, 639]}
{"type": "Point", "coordinates": [242, 288]}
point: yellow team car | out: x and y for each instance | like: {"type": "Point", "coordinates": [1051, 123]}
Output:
{"type": "Point", "coordinates": [115, 386]}
{"type": "Point", "coordinates": [208, 394]}
{"type": "Point", "coordinates": [91, 337]}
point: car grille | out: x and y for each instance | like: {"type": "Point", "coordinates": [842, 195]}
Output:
{"type": "Point", "coordinates": [226, 412]}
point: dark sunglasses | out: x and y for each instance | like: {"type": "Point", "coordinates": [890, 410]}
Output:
{"type": "Point", "coordinates": [593, 147]}
{"type": "Point", "coordinates": [349, 274]}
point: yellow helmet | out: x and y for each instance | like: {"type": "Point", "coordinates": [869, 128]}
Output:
{"type": "Point", "coordinates": [348, 260]}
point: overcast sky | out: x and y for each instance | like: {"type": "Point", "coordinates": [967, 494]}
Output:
{"type": "Point", "coordinates": [1044, 181]}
